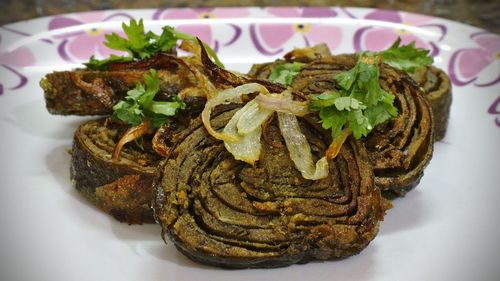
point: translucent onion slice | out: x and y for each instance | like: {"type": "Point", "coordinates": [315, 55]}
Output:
{"type": "Point", "coordinates": [253, 116]}
{"type": "Point", "coordinates": [283, 103]}
{"type": "Point", "coordinates": [299, 149]}
{"type": "Point", "coordinates": [247, 148]}
{"type": "Point", "coordinates": [131, 134]}
{"type": "Point", "coordinates": [232, 95]}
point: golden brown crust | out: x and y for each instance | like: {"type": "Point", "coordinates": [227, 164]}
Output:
{"type": "Point", "coordinates": [121, 188]}
{"type": "Point", "coordinates": [224, 212]}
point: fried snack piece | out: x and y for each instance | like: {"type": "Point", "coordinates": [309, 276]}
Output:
{"type": "Point", "coordinates": [122, 188]}
{"type": "Point", "coordinates": [399, 149]}
{"type": "Point", "coordinates": [227, 213]}
{"type": "Point", "coordinates": [91, 92]}
{"type": "Point", "coordinates": [437, 90]}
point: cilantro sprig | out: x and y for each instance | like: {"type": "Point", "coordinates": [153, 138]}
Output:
{"type": "Point", "coordinates": [284, 73]}
{"type": "Point", "coordinates": [142, 45]}
{"type": "Point", "coordinates": [139, 104]}
{"type": "Point", "coordinates": [359, 104]}
{"type": "Point", "coordinates": [96, 64]}
{"type": "Point", "coordinates": [406, 57]}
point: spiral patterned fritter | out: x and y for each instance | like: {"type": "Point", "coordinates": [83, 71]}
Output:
{"type": "Point", "coordinates": [437, 90]}
{"type": "Point", "coordinates": [224, 212]}
{"type": "Point", "coordinates": [121, 188]}
{"type": "Point", "coordinates": [399, 149]}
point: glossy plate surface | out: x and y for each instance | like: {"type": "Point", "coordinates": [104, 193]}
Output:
{"type": "Point", "coordinates": [445, 229]}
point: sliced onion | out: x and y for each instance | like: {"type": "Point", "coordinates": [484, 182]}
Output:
{"type": "Point", "coordinates": [299, 149]}
{"type": "Point", "coordinates": [311, 53]}
{"type": "Point", "coordinates": [247, 147]}
{"type": "Point", "coordinates": [232, 95]}
{"type": "Point", "coordinates": [242, 133]}
{"type": "Point", "coordinates": [334, 148]}
{"type": "Point", "coordinates": [283, 103]}
{"type": "Point", "coordinates": [253, 116]}
{"type": "Point", "coordinates": [131, 134]}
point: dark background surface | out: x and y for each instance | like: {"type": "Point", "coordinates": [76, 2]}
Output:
{"type": "Point", "coordinates": [480, 13]}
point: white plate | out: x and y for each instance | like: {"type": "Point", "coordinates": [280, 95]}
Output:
{"type": "Point", "coordinates": [445, 229]}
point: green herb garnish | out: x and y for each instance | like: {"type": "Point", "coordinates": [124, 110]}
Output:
{"type": "Point", "coordinates": [141, 45]}
{"type": "Point", "coordinates": [406, 57]}
{"type": "Point", "coordinates": [140, 104]}
{"type": "Point", "coordinates": [284, 73]}
{"type": "Point", "coordinates": [103, 64]}
{"type": "Point", "coordinates": [360, 103]}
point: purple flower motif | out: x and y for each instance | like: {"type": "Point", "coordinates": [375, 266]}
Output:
{"type": "Point", "coordinates": [204, 31]}
{"type": "Point", "coordinates": [377, 38]}
{"type": "Point", "coordinates": [477, 64]}
{"type": "Point", "coordinates": [82, 44]}
{"type": "Point", "coordinates": [269, 39]}
{"type": "Point", "coordinates": [495, 110]}
{"type": "Point", "coordinates": [11, 61]}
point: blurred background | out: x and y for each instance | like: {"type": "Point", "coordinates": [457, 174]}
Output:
{"type": "Point", "coordinates": [481, 13]}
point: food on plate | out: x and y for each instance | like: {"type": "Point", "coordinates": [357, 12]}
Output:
{"type": "Point", "coordinates": [144, 103]}
{"type": "Point", "coordinates": [120, 187]}
{"type": "Point", "coordinates": [224, 212]}
{"type": "Point", "coordinates": [399, 149]}
{"type": "Point", "coordinates": [434, 82]}
{"type": "Point", "coordinates": [95, 89]}
{"type": "Point", "coordinates": [95, 92]}
{"type": "Point", "coordinates": [437, 90]}
{"type": "Point", "coordinates": [284, 165]}
{"type": "Point", "coordinates": [115, 160]}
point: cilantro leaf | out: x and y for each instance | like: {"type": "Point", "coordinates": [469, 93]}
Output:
{"type": "Point", "coordinates": [348, 103]}
{"type": "Point", "coordinates": [128, 113]}
{"type": "Point", "coordinates": [167, 108]}
{"type": "Point", "coordinates": [152, 87]}
{"type": "Point", "coordinates": [140, 104]}
{"type": "Point", "coordinates": [134, 44]}
{"type": "Point", "coordinates": [406, 57]}
{"type": "Point", "coordinates": [141, 45]}
{"type": "Point", "coordinates": [96, 64]}
{"type": "Point", "coordinates": [333, 119]}
{"type": "Point", "coordinates": [360, 103]}
{"type": "Point", "coordinates": [284, 73]}
{"type": "Point", "coordinates": [323, 100]}
{"type": "Point", "coordinates": [167, 40]}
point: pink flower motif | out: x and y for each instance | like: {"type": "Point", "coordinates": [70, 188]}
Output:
{"type": "Point", "coordinates": [477, 64]}
{"type": "Point", "coordinates": [204, 31]}
{"type": "Point", "coordinates": [84, 43]}
{"type": "Point", "coordinates": [11, 61]}
{"type": "Point", "coordinates": [377, 38]}
{"type": "Point", "coordinates": [269, 39]}
{"type": "Point", "coordinates": [495, 110]}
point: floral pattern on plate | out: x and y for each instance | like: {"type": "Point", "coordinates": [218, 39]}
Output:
{"type": "Point", "coordinates": [471, 56]}
{"type": "Point", "coordinates": [204, 31]}
{"type": "Point", "coordinates": [81, 45]}
{"type": "Point", "coordinates": [495, 110]}
{"type": "Point", "coordinates": [377, 38]}
{"type": "Point", "coordinates": [11, 62]}
{"type": "Point", "coordinates": [269, 38]}
{"type": "Point", "coordinates": [467, 64]}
